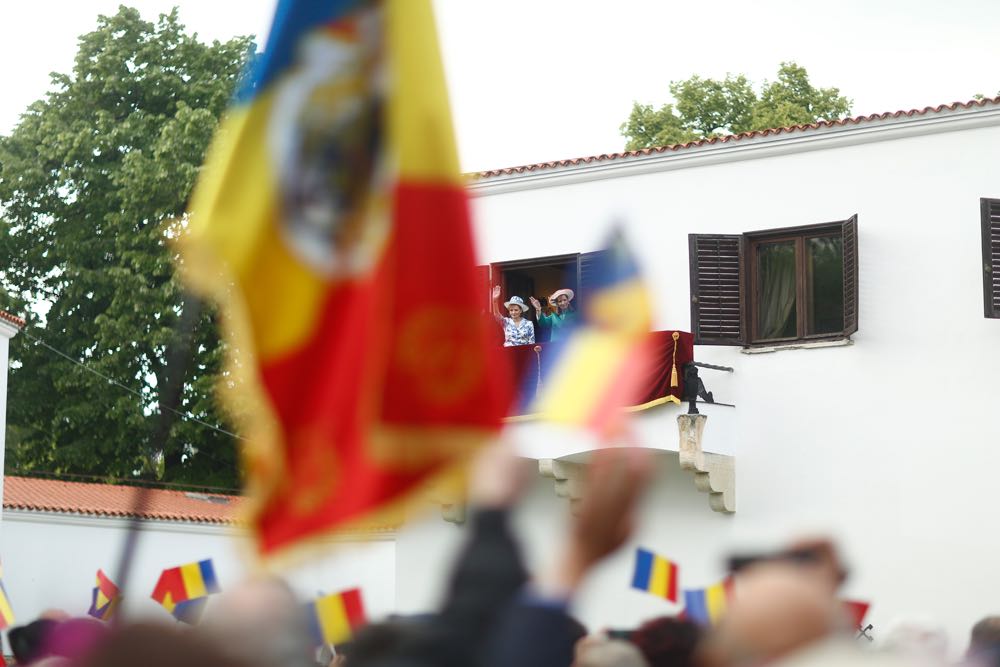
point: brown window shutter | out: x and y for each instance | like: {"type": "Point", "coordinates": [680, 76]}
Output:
{"type": "Point", "coordinates": [717, 313]}
{"type": "Point", "coordinates": [991, 256]}
{"type": "Point", "coordinates": [850, 233]}
{"type": "Point", "coordinates": [586, 266]}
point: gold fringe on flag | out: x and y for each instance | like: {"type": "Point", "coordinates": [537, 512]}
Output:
{"type": "Point", "coordinates": [674, 382]}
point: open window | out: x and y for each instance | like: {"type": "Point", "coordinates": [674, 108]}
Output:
{"type": "Point", "coordinates": [541, 276]}
{"type": "Point", "coordinates": [775, 286]}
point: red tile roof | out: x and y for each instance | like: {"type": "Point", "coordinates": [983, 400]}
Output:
{"type": "Point", "coordinates": [49, 495]}
{"type": "Point", "coordinates": [856, 120]}
{"type": "Point", "coordinates": [13, 319]}
{"type": "Point", "coordinates": [107, 500]}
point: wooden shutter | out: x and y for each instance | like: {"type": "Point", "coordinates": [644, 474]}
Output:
{"type": "Point", "coordinates": [586, 266]}
{"type": "Point", "coordinates": [991, 256]}
{"type": "Point", "coordinates": [717, 279]}
{"type": "Point", "coordinates": [850, 234]}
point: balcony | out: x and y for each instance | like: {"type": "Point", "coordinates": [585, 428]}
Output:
{"type": "Point", "coordinates": [662, 421]}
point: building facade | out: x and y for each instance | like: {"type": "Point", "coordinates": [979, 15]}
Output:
{"type": "Point", "coordinates": [843, 271]}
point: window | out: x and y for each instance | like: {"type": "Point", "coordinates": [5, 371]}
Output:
{"type": "Point", "coordinates": [991, 255]}
{"type": "Point", "coordinates": [775, 286]}
{"type": "Point", "coordinates": [540, 277]}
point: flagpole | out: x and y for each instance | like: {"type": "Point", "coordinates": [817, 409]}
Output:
{"type": "Point", "coordinates": [170, 397]}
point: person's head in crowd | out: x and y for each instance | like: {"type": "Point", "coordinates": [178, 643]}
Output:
{"type": "Point", "coordinates": [604, 652]}
{"type": "Point", "coordinates": [54, 614]}
{"type": "Point", "coordinates": [29, 643]}
{"type": "Point", "coordinates": [779, 608]}
{"type": "Point", "coordinates": [667, 641]}
{"type": "Point", "coordinates": [262, 623]}
{"type": "Point", "coordinates": [984, 641]}
{"type": "Point", "coordinates": [919, 638]}
{"type": "Point", "coordinates": [159, 645]}
{"type": "Point", "coordinates": [822, 560]}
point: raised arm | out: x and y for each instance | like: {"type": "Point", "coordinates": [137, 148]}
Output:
{"type": "Point", "coordinates": [493, 301]}
{"type": "Point", "coordinates": [544, 319]}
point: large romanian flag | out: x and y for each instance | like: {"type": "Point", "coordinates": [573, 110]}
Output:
{"type": "Point", "coordinates": [332, 222]}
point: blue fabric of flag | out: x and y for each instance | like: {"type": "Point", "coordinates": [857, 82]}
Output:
{"type": "Point", "coordinates": [292, 19]}
{"type": "Point", "coordinates": [643, 569]}
{"type": "Point", "coordinates": [696, 606]}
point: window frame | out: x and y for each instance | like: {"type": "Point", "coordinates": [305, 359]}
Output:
{"type": "Point", "coordinates": [798, 235]}
{"type": "Point", "coordinates": [718, 263]}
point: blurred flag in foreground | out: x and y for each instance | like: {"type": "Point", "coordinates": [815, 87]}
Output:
{"type": "Point", "coordinates": [6, 611]}
{"type": "Point", "coordinates": [105, 599]}
{"type": "Point", "coordinates": [183, 591]}
{"type": "Point", "coordinates": [335, 618]}
{"type": "Point", "coordinates": [332, 223]}
{"type": "Point", "coordinates": [707, 605]}
{"type": "Point", "coordinates": [598, 370]}
{"type": "Point", "coordinates": [655, 574]}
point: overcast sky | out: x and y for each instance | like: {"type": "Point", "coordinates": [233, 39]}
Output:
{"type": "Point", "coordinates": [537, 80]}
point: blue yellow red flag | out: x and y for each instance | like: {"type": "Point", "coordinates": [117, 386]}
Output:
{"type": "Point", "coordinates": [183, 590]}
{"type": "Point", "coordinates": [335, 618]}
{"type": "Point", "coordinates": [105, 598]}
{"type": "Point", "coordinates": [707, 605]}
{"type": "Point", "coordinates": [6, 611]}
{"type": "Point", "coordinates": [655, 574]}
{"type": "Point", "coordinates": [331, 222]}
{"type": "Point", "coordinates": [598, 370]}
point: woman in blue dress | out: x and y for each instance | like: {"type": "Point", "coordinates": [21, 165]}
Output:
{"type": "Point", "coordinates": [517, 329]}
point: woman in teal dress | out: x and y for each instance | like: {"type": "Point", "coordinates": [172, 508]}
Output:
{"type": "Point", "coordinates": [561, 322]}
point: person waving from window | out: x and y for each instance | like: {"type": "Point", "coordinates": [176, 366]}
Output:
{"type": "Point", "coordinates": [517, 330]}
{"type": "Point", "coordinates": [562, 320]}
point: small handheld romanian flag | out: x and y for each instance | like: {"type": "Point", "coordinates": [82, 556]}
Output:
{"type": "Point", "coordinates": [105, 599]}
{"type": "Point", "coordinates": [332, 223]}
{"type": "Point", "coordinates": [183, 591]}
{"type": "Point", "coordinates": [335, 618]}
{"type": "Point", "coordinates": [6, 611]}
{"type": "Point", "coordinates": [707, 605]}
{"type": "Point", "coordinates": [597, 371]}
{"type": "Point", "coordinates": [655, 574]}
{"type": "Point", "coordinates": [856, 610]}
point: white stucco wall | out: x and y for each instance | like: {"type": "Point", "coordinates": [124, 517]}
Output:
{"type": "Point", "coordinates": [891, 444]}
{"type": "Point", "coordinates": [50, 561]}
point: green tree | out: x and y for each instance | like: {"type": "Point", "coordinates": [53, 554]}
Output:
{"type": "Point", "coordinates": [792, 100]}
{"type": "Point", "coordinates": [90, 180]}
{"type": "Point", "coordinates": [707, 107]}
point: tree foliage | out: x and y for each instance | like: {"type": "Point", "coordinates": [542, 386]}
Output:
{"type": "Point", "coordinates": [89, 181]}
{"type": "Point", "coordinates": [703, 108]}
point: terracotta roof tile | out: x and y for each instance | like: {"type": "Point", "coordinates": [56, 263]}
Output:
{"type": "Point", "coordinates": [856, 120]}
{"type": "Point", "coordinates": [107, 500]}
{"type": "Point", "coordinates": [47, 495]}
{"type": "Point", "coordinates": [13, 319]}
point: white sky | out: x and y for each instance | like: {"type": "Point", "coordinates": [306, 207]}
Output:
{"type": "Point", "coordinates": [537, 80]}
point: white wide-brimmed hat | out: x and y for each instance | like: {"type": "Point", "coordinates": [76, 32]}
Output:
{"type": "Point", "coordinates": [559, 292]}
{"type": "Point", "coordinates": [516, 301]}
